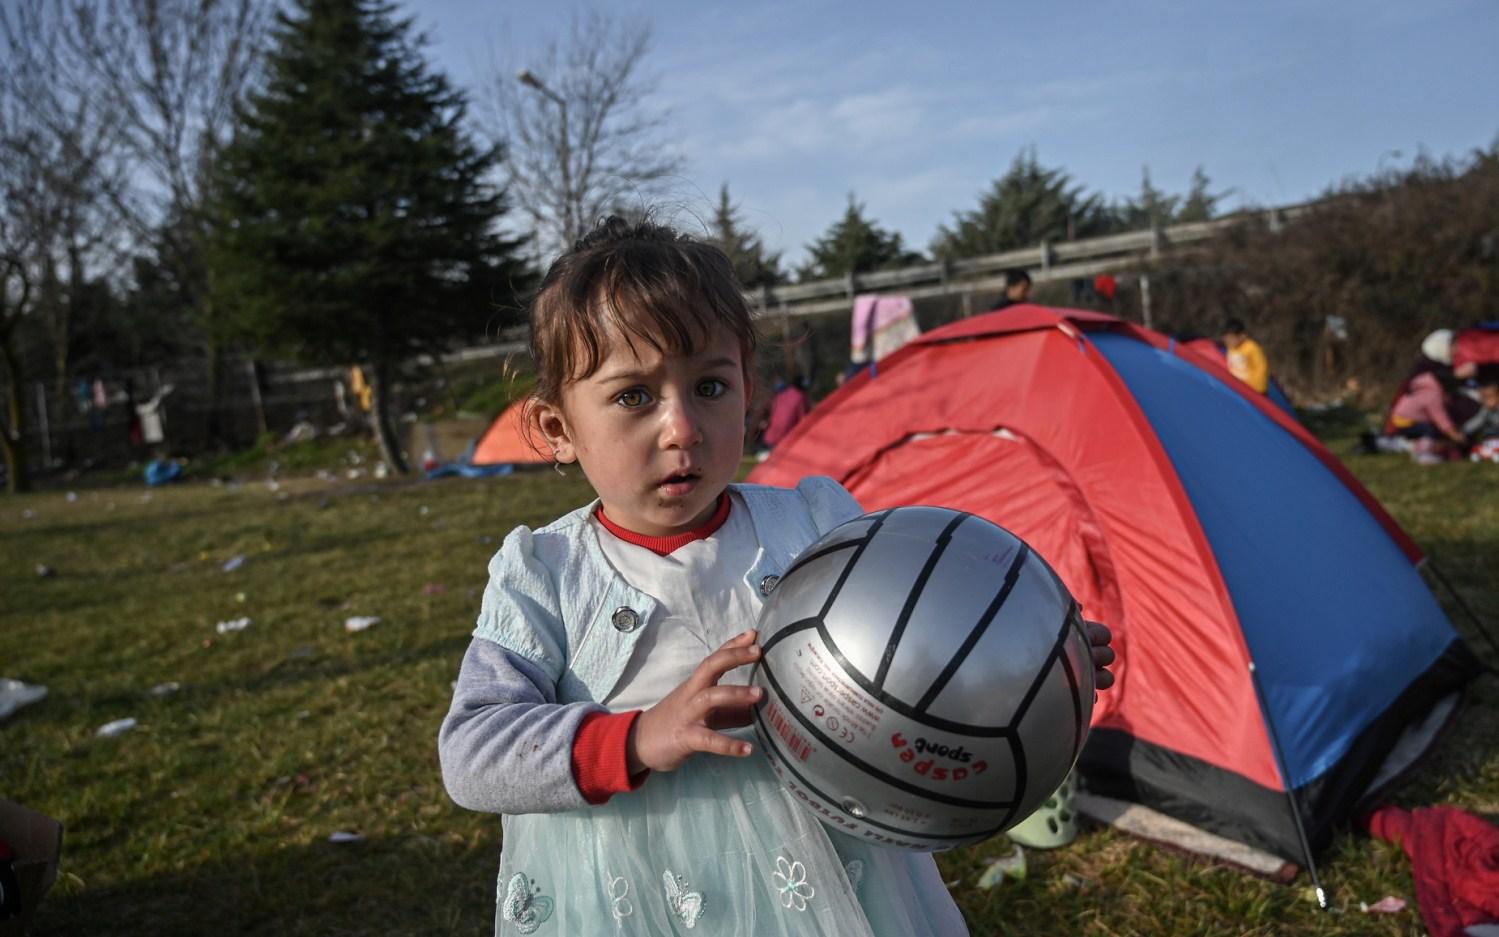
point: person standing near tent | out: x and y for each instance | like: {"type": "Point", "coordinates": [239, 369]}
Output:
{"type": "Point", "coordinates": [613, 644]}
{"type": "Point", "coordinates": [787, 408]}
{"type": "Point", "coordinates": [1246, 359]}
{"type": "Point", "coordinates": [1017, 289]}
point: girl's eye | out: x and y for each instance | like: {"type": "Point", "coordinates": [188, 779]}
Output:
{"type": "Point", "coordinates": [712, 387]}
{"type": "Point", "coordinates": [632, 399]}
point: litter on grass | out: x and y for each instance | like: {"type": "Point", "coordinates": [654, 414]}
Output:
{"type": "Point", "coordinates": [233, 624]}
{"type": "Point", "coordinates": [1389, 904]}
{"type": "Point", "coordinates": [43, 571]}
{"type": "Point", "coordinates": [360, 622]}
{"type": "Point", "coordinates": [14, 694]}
{"type": "Point", "coordinates": [165, 689]}
{"type": "Point", "coordinates": [72, 496]}
{"type": "Point", "coordinates": [1003, 867]}
{"type": "Point", "coordinates": [343, 836]}
{"type": "Point", "coordinates": [234, 562]}
{"type": "Point", "coordinates": [117, 727]}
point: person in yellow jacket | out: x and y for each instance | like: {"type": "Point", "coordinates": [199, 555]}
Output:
{"type": "Point", "coordinates": [1246, 359]}
{"type": "Point", "coordinates": [363, 393]}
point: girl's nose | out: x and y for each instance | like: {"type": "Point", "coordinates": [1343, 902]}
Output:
{"type": "Point", "coordinates": [679, 426]}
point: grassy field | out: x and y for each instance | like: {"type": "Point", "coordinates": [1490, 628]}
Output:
{"type": "Point", "coordinates": [214, 816]}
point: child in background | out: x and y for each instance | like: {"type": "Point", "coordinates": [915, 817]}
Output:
{"type": "Point", "coordinates": [787, 408]}
{"type": "Point", "coordinates": [614, 644]}
{"type": "Point", "coordinates": [1246, 359]}
{"type": "Point", "coordinates": [1485, 423]}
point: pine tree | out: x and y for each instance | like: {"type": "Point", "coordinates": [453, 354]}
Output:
{"type": "Point", "coordinates": [354, 219]}
{"type": "Point", "coordinates": [854, 244]}
{"type": "Point", "coordinates": [753, 264]}
{"type": "Point", "coordinates": [1028, 204]}
{"type": "Point", "coordinates": [1199, 204]}
{"type": "Point", "coordinates": [1151, 208]}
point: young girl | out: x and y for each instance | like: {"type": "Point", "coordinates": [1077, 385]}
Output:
{"type": "Point", "coordinates": [615, 643]}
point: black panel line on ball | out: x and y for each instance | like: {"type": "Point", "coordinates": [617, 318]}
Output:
{"type": "Point", "coordinates": [896, 704]}
{"type": "Point", "coordinates": [770, 752]}
{"type": "Point", "coordinates": [914, 596]}
{"type": "Point", "coordinates": [813, 557]}
{"type": "Point", "coordinates": [1057, 649]}
{"type": "Point", "coordinates": [796, 627]}
{"type": "Point", "coordinates": [1072, 682]}
{"type": "Point", "coordinates": [869, 769]}
{"type": "Point", "coordinates": [1017, 751]}
{"type": "Point", "coordinates": [853, 561]}
{"type": "Point", "coordinates": [1012, 576]}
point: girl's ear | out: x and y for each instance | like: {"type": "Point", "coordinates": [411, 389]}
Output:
{"type": "Point", "coordinates": [550, 422]}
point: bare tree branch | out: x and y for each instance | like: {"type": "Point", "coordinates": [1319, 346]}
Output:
{"type": "Point", "coordinates": [588, 141]}
{"type": "Point", "coordinates": [62, 169]}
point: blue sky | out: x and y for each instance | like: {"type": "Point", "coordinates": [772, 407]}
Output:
{"type": "Point", "coordinates": [916, 108]}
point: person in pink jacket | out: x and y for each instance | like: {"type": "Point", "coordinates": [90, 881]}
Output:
{"type": "Point", "coordinates": [1421, 412]}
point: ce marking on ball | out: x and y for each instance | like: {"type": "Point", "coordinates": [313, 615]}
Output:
{"type": "Point", "coordinates": [833, 725]}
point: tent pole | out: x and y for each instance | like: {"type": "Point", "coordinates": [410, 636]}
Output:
{"type": "Point", "coordinates": [1306, 846]}
{"type": "Point", "coordinates": [1457, 597]}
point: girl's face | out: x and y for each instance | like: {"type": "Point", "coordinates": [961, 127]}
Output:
{"type": "Point", "coordinates": [658, 436]}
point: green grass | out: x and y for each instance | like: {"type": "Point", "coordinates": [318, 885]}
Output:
{"type": "Point", "coordinates": [213, 817]}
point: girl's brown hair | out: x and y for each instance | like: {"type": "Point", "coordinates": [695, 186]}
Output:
{"type": "Point", "coordinates": [645, 282]}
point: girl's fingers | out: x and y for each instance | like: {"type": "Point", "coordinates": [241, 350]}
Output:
{"type": "Point", "coordinates": [1103, 656]}
{"type": "Point", "coordinates": [714, 698]}
{"type": "Point", "coordinates": [736, 653]}
{"type": "Point", "coordinates": [742, 639]}
{"type": "Point", "coordinates": [731, 717]}
{"type": "Point", "coordinates": [702, 739]}
{"type": "Point", "coordinates": [1099, 634]}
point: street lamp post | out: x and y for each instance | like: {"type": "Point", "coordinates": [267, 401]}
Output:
{"type": "Point", "coordinates": [564, 154]}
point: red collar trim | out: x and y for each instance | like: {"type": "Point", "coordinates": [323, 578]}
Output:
{"type": "Point", "coordinates": [664, 546]}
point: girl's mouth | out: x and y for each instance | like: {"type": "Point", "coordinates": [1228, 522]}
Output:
{"type": "Point", "coordinates": [679, 484]}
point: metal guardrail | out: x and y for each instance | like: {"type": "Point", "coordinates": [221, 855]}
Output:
{"type": "Point", "coordinates": [1059, 260]}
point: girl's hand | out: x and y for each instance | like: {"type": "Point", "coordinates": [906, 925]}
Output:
{"type": "Point", "coordinates": [1099, 637]}
{"type": "Point", "coordinates": [682, 724]}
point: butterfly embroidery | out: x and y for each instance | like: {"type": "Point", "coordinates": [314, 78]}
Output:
{"type": "Point", "coordinates": [686, 905]}
{"type": "Point", "coordinates": [524, 904]}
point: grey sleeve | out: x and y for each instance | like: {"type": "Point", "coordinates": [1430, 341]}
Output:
{"type": "Point", "coordinates": [506, 743]}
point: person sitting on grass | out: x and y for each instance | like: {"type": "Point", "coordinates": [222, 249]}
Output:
{"type": "Point", "coordinates": [1421, 416]}
{"type": "Point", "coordinates": [1485, 423]}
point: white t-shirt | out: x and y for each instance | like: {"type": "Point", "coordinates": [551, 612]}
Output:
{"type": "Point", "coordinates": [704, 601]}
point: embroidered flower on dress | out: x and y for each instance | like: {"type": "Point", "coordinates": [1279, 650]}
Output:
{"type": "Point", "coordinates": [791, 882]}
{"type": "Point", "coordinates": [686, 905]}
{"type": "Point", "coordinates": [524, 905]}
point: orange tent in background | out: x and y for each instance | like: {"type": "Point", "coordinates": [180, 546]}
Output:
{"type": "Point", "coordinates": [504, 444]}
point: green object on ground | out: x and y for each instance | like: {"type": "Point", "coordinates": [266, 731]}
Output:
{"type": "Point", "coordinates": [1054, 824]}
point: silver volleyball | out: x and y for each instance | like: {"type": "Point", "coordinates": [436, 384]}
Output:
{"type": "Point", "coordinates": [928, 681]}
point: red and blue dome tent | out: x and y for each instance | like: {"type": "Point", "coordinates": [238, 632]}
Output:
{"type": "Point", "coordinates": [1275, 637]}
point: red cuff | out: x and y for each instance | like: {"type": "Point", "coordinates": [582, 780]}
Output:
{"type": "Point", "coordinates": [599, 762]}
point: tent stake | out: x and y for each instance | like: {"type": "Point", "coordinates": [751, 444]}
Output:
{"type": "Point", "coordinates": [1306, 846]}
{"type": "Point", "coordinates": [1472, 616]}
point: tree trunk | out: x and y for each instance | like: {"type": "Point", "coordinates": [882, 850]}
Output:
{"type": "Point", "coordinates": [13, 429]}
{"type": "Point", "coordinates": [385, 432]}
{"type": "Point", "coordinates": [212, 378]}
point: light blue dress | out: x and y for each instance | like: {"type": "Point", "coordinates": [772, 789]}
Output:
{"type": "Point", "coordinates": [718, 846]}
